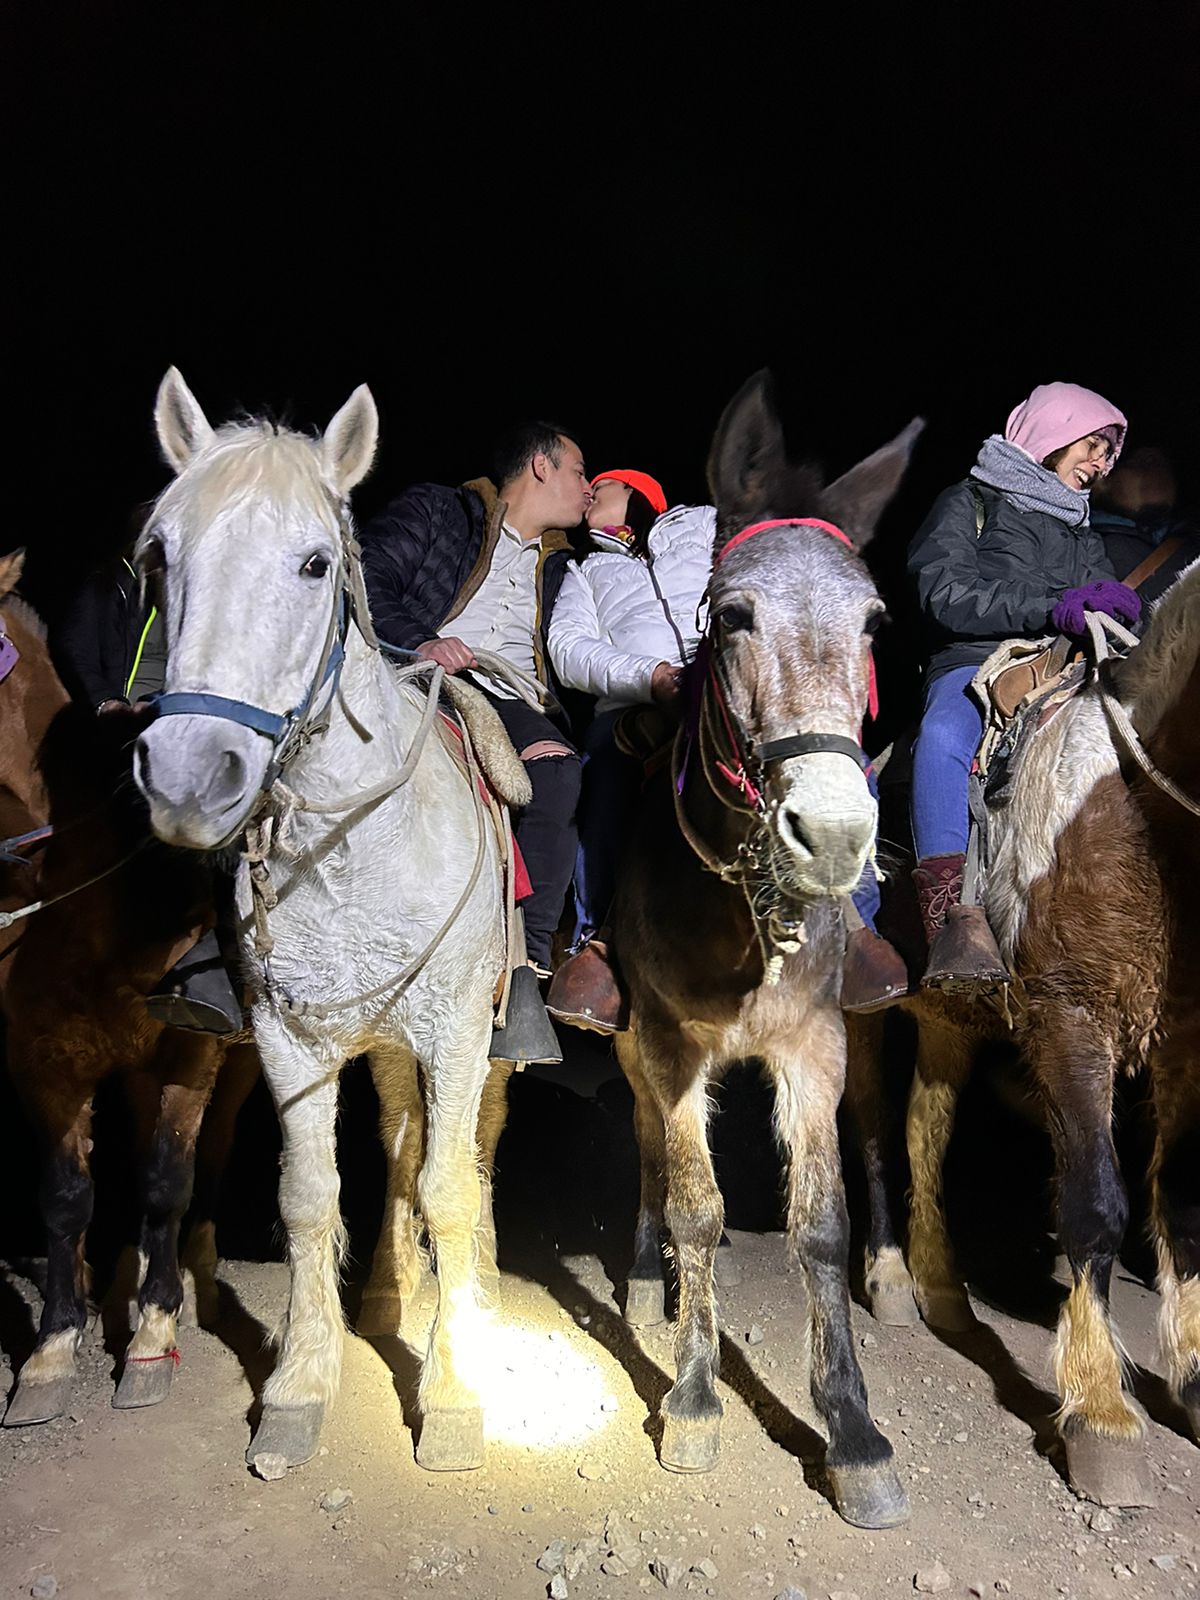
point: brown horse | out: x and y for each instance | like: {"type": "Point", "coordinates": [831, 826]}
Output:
{"type": "Point", "coordinates": [728, 923]}
{"type": "Point", "coordinates": [1089, 891]}
{"type": "Point", "coordinates": [73, 977]}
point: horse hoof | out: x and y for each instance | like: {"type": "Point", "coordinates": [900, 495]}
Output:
{"type": "Point", "coordinates": [893, 1305]}
{"type": "Point", "coordinates": [645, 1302]}
{"type": "Point", "coordinates": [868, 1497]}
{"type": "Point", "coordinates": [39, 1402]}
{"type": "Point", "coordinates": [690, 1445]}
{"type": "Point", "coordinates": [451, 1441]}
{"type": "Point", "coordinates": [947, 1309]}
{"type": "Point", "coordinates": [144, 1383]}
{"type": "Point", "coordinates": [727, 1271]}
{"type": "Point", "coordinates": [380, 1317]}
{"type": "Point", "coordinates": [289, 1434]}
{"type": "Point", "coordinates": [1112, 1472]}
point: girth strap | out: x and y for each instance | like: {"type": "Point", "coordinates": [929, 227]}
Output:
{"type": "Point", "coordinates": [811, 744]}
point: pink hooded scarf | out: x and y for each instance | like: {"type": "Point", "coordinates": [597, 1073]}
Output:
{"type": "Point", "coordinates": [1056, 414]}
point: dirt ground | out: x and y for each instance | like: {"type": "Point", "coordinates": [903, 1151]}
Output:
{"type": "Point", "coordinates": [160, 1502]}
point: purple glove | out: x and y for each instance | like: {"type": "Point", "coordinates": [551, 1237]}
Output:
{"type": "Point", "coordinates": [1114, 599]}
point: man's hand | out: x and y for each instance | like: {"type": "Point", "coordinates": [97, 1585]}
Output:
{"type": "Point", "coordinates": [666, 683]}
{"type": "Point", "coordinates": [451, 654]}
{"type": "Point", "coordinates": [113, 705]}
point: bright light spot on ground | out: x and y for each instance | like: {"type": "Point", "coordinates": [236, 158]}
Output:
{"type": "Point", "coordinates": [538, 1388]}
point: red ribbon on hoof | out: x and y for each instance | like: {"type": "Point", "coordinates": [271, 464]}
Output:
{"type": "Point", "coordinates": [167, 1355]}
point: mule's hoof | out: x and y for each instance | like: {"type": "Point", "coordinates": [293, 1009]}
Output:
{"type": "Point", "coordinates": [39, 1402]}
{"type": "Point", "coordinates": [868, 1497]}
{"type": "Point", "coordinates": [727, 1271]}
{"type": "Point", "coordinates": [645, 1302]}
{"type": "Point", "coordinates": [144, 1383]}
{"type": "Point", "coordinates": [947, 1309]}
{"type": "Point", "coordinates": [1112, 1472]}
{"type": "Point", "coordinates": [690, 1445]}
{"type": "Point", "coordinates": [290, 1433]}
{"type": "Point", "coordinates": [451, 1441]}
{"type": "Point", "coordinates": [893, 1305]}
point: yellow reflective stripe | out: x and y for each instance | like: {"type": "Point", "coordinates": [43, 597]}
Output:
{"type": "Point", "coordinates": [137, 657]}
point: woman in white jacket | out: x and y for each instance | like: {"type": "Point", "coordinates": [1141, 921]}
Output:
{"type": "Point", "coordinates": [623, 630]}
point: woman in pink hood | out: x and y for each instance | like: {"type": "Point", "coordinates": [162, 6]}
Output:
{"type": "Point", "coordinates": [1007, 553]}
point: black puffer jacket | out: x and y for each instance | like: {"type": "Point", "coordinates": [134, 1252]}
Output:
{"type": "Point", "coordinates": [95, 643]}
{"type": "Point", "coordinates": [427, 552]}
{"type": "Point", "coordinates": [981, 585]}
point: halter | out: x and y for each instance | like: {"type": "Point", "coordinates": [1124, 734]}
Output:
{"type": "Point", "coordinates": [289, 730]}
{"type": "Point", "coordinates": [736, 771]}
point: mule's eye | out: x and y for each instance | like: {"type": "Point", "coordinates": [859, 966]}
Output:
{"type": "Point", "coordinates": [874, 622]}
{"type": "Point", "coordinates": [315, 567]}
{"type": "Point", "coordinates": [736, 618]}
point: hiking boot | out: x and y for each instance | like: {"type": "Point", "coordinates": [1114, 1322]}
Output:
{"type": "Point", "coordinates": [873, 973]}
{"type": "Point", "coordinates": [197, 993]}
{"type": "Point", "coordinates": [585, 993]}
{"type": "Point", "coordinates": [963, 954]}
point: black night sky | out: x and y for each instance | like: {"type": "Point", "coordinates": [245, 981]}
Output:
{"type": "Point", "coordinates": [608, 215]}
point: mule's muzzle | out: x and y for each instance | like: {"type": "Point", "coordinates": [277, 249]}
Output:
{"type": "Point", "coordinates": [201, 777]}
{"type": "Point", "coordinates": [826, 818]}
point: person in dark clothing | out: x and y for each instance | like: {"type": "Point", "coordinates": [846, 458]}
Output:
{"type": "Point", "coordinates": [453, 570]}
{"type": "Point", "coordinates": [1134, 512]}
{"type": "Point", "coordinates": [110, 644]}
{"type": "Point", "coordinates": [1008, 553]}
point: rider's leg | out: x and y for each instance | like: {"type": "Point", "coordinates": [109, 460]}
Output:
{"type": "Point", "coordinates": [962, 950]}
{"type": "Point", "coordinates": [611, 784]}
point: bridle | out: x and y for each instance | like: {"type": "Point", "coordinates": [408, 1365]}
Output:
{"type": "Point", "coordinates": [742, 763]}
{"type": "Point", "coordinates": [724, 752]}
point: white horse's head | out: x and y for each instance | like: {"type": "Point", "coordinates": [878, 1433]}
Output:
{"type": "Point", "coordinates": [245, 554]}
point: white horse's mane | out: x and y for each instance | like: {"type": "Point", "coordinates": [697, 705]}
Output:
{"type": "Point", "coordinates": [1152, 678]}
{"type": "Point", "coordinates": [254, 459]}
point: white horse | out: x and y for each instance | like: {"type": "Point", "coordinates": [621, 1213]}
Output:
{"type": "Point", "coordinates": [348, 943]}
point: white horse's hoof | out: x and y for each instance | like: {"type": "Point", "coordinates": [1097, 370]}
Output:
{"type": "Point", "coordinates": [451, 1441]}
{"type": "Point", "coordinates": [290, 1433]}
{"type": "Point", "coordinates": [39, 1402]}
{"type": "Point", "coordinates": [892, 1304]}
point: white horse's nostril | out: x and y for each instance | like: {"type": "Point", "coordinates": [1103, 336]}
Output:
{"type": "Point", "coordinates": [228, 781]}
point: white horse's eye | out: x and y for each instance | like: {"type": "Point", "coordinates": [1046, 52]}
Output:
{"type": "Point", "coordinates": [315, 567]}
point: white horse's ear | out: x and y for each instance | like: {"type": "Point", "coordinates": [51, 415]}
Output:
{"type": "Point", "coordinates": [348, 446]}
{"type": "Point", "coordinates": [183, 429]}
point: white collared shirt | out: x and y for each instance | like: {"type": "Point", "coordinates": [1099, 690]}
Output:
{"type": "Point", "coordinates": [502, 613]}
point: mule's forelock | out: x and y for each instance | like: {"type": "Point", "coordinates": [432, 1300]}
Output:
{"type": "Point", "coordinates": [183, 429]}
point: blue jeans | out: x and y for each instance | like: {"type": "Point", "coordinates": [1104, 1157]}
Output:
{"type": "Point", "coordinates": [612, 784]}
{"type": "Point", "coordinates": [949, 735]}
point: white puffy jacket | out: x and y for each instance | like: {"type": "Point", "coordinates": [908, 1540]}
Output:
{"type": "Point", "coordinates": [609, 629]}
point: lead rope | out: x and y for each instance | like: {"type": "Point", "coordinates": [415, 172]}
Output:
{"type": "Point", "coordinates": [1100, 627]}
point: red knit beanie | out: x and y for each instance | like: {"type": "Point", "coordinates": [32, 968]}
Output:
{"type": "Point", "coordinates": [642, 482]}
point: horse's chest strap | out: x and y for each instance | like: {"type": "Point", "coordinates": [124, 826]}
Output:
{"type": "Point", "coordinates": [811, 744]}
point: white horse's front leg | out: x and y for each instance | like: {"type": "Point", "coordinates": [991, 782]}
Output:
{"type": "Point", "coordinates": [306, 1378]}
{"type": "Point", "coordinates": [449, 1191]}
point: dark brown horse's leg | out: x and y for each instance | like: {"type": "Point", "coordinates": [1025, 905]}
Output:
{"type": "Point", "coordinates": [809, 1071]}
{"type": "Point", "coordinates": [1175, 1180]}
{"type": "Point", "coordinates": [63, 1109]}
{"type": "Point", "coordinates": [876, 1128]}
{"type": "Point", "coordinates": [1072, 1063]}
{"type": "Point", "coordinates": [645, 1300]}
{"type": "Point", "coordinates": [944, 1052]}
{"type": "Point", "coordinates": [396, 1264]}
{"type": "Point", "coordinates": [236, 1076]}
{"type": "Point", "coordinates": [168, 1102]}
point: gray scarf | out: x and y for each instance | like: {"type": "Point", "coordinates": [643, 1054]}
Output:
{"type": "Point", "coordinates": [1031, 487]}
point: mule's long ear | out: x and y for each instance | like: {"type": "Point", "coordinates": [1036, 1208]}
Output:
{"type": "Point", "coordinates": [747, 454]}
{"type": "Point", "coordinates": [348, 447]}
{"type": "Point", "coordinates": [183, 429]}
{"type": "Point", "coordinates": [858, 499]}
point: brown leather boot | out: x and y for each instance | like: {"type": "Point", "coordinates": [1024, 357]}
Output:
{"type": "Point", "coordinates": [963, 954]}
{"type": "Point", "coordinates": [585, 993]}
{"type": "Point", "coordinates": [873, 974]}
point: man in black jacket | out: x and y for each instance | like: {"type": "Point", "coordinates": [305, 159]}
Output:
{"type": "Point", "coordinates": [450, 571]}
